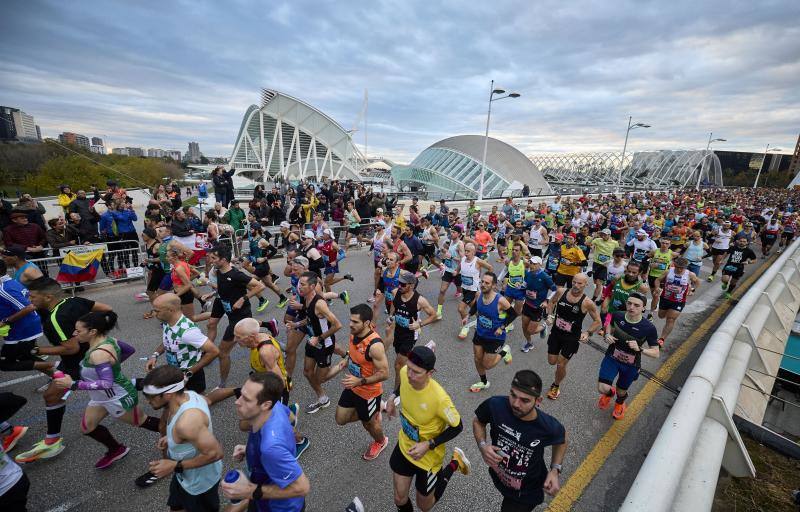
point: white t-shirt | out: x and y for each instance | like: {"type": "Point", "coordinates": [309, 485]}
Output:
{"type": "Point", "coordinates": [722, 239]}
{"type": "Point", "coordinates": [10, 472]}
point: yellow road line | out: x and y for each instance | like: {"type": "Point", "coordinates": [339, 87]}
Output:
{"type": "Point", "coordinates": [606, 445]}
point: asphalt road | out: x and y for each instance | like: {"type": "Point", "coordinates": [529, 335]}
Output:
{"type": "Point", "coordinates": [333, 462]}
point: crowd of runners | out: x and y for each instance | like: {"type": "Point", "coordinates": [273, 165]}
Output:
{"type": "Point", "coordinates": [588, 270]}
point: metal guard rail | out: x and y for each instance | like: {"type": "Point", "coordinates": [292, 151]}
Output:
{"type": "Point", "coordinates": [698, 436]}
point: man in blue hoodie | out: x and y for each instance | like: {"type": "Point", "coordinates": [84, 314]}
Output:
{"type": "Point", "coordinates": [124, 216]}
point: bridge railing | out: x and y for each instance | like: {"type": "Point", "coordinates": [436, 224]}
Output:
{"type": "Point", "coordinates": [698, 436]}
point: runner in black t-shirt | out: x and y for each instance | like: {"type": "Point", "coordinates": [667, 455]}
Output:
{"type": "Point", "coordinates": [58, 314]}
{"type": "Point", "coordinates": [739, 255]}
{"type": "Point", "coordinates": [234, 290]}
{"type": "Point", "coordinates": [515, 451]}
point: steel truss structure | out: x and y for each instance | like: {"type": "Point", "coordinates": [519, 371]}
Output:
{"type": "Point", "coordinates": [645, 169]}
{"type": "Point", "coordinates": [289, 139]}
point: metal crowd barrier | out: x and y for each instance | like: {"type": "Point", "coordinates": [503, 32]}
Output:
{"type": "Point", "coordinates": [699, 436]}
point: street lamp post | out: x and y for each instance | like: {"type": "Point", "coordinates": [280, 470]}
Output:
{"type": "Point", "coordinates": [708, 146]}
{"type": "Point", "coordinates": [625, 147]}
{"type": "Point", "coordinates": [492, 92]}
{"type": "Point", "coordinates": [758, 175]}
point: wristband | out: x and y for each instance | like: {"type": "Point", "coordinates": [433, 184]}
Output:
{"type": "Point", "coordinates": [482, 443]}
{"type": "Point", "coordinates": [557, 467]}
{"type": "Point", "coordinates": [154, 355]}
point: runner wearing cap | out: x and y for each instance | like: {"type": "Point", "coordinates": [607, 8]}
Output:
{"type": "Point", "coordinates": [626, 334]}
{"type": "Point", "coordinates": [452, 254]}
{"type": "Point", "coordinates": [428, 420]}
{"type": "Point", "coordinates": [740, 255]}
{"type": "Point", "coordinates": [494, 314]}
{"type": "Point", "coordinates": [514, 449]}
{"type": "Point", "coordinates": [642, 248]}
{"type": "Point", "coordinates": [602, 248]}
{"type": "Point", "coordinates": [309, 250]}
{"type": "Point", "coordinates": [330, 254]}
{"type": "Point", "coordinates": [367, 368]}
{"type": "Point", "coordinates": [675, 287]}
{"type": "Point", "coordinates": [405, 321]}
{"type": "Point", "coordinates": [571, 260]}
{"type": "Point", "coordinates": [719, 248]}
{"type": "Point", "coordinates": [514, 289]}
{"type": "Point", "coordinates": [539, 288]}
{"type": "Point", "coordinates": [470, 269]}
{"type": "Point", "coordinates": [571, 307]}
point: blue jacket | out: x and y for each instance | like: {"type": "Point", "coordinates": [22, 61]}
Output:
{"type": "Point", "coordinates": [106, 224]}
{"type": "Point", "coordinates": [124, 220]}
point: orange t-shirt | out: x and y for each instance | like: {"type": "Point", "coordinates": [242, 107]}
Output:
{"type": "Point", "coordinates": [360, 366]}
{"type": "Point", "coordinates": [176, 280]}
{"type": "Point", "coordinates": [483, 240]}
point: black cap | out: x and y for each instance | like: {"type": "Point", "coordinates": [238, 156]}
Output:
{"type": "Point", "coordinates": [407, 277]}
{"type": "Point", "coordinates": [423, 357]}
{"type": "Point", "coordinates": [528, 382]}
{"type": "Point", "coordinates": [15, 250]}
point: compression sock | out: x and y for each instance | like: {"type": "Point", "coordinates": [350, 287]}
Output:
{"type": "Point", "coordinates": [5, 427]}
{"type": "Point", "coordinates": [151, 423]}
{"type": "Point", "coordinates": [406, 507]}
{"type": "Point", "coordinates": [483, 378]}
{"type": "Point", "coordinates": [444, 478]}
{"type": "Point", "coordinates": [621, 399]}
{"type": "Point", "coordinates": [102, 435]}
{"type": "Point", "coordinates": [55, 416]}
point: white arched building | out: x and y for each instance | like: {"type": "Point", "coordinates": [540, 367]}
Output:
{"type": "Point", "coordinates": [289, 139]}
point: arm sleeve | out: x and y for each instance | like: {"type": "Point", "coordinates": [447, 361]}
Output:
{"type": "Point", "coordinates": [106, 380]}
{"type": "Point", "coordinates": [127, 350]}
{"type": "Point", "coordinates": [449, 434]}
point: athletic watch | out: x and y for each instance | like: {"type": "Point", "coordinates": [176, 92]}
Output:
{"type": "Point", "coordinates": [178, 467]}
{"type": "Point", "coordinates": [257, 493]}
{"type": "Point", "coordinates": [557, 467]}
{"type": "Point", "coordinates": [363, 381]}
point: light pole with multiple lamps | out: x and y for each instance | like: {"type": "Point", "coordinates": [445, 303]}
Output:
{"type": "Point", "coordinates": [625, 147]}
{"type": "Point", "coordinates": [492, 93]}
{"type": "Point", "coordinates": [766, 150]}
{"type": "Point", "coordinates": [708, 146]}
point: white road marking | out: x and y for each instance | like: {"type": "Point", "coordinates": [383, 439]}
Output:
{"type": "Point", "coordinates": [21, 379]}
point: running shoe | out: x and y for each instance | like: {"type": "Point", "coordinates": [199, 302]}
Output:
{"type": "Point", "coordinates": [146, 480]}
{"type": "Point", "coordinates": [431, 345]}
{"type": "Point", "coordinates": [710, 278]}
{"type": "Point", "coordinates": [316, 406]}
{"type": "Point", "coordinates": [509, 328]}
{"type": "Point", "coordinates": [141, 297]}
{"type": "Point", "coordinates": [355, 506]}
{"type": "Point", "coordinates": [349, 277]}
{"type": "Point", "coordinates": [462, 334]}
{"type": "Point", "coordinates": [543, 332]}
{"type": "Point", "coordinates": [10, 441]}
{"type": "Point", "coordinates": [375, 449]}
{"type": "Point", "coordinates": [295, 408]}
{"type": "Point", "coordinates": [271, 326]}
{"type": "Point", "coordinates": [112, 456]}
{"type": "Point", "coordinates": [262, 305]}
{"type": "Point", "coordinates": [780, 250]}
{"type": "Point", "coordinates": [728, 295]}
{"type": "Point", "coordinates": [724, 287]}
{"type": "Point", "coordinates": [458, 294]}
{"type": "Point", "coordinates": [41, 389]}
{"type": "Point", "coordinates": [479, 386]}
{"type": "Point", "coordinates": [371, 300]}
{"type": "Point", "coordinates": [507, 358]}
{"type": "Point", "coordinates": [605, 400]}
{"type": "Point", "coordinates": [275, 278]}
{"type": "Point", "coordinates": [619, 411]}
{"type": "Point", "coordinates": [40, 450]}
{"type": "Point", "coordinates": [345, 296]}
{"type": "Point", "coordinates": [300, 447]}
{"type": "Point", "coordinates": [526, 347]}
{"type": "Point", "coordinates": [289, 384]}
{"type": "Point", "coordinates": [554, 392]}
{"type": "Point", "coordinates": [282, 303]}
{"type": "Point", "coordinates": [464, 465]}
{"type": "Point", "coordinates": [439, 312]}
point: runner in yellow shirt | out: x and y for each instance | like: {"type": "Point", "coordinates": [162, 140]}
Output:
{"type": "Point", "coordinates": [572, 259]}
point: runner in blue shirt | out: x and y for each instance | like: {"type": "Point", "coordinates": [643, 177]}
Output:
{"type": "Point", "coordinates": [539, 287]}
{"type": "Point", "coordinates": [17, 312]}
{"type": "Point", "coordinates": [276, 482]}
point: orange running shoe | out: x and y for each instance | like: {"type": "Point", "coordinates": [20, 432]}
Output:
{"type": "Point", "coordinates": [375, 449]}
{"type": "Point", "coordinates": [619, 411]}
{"type": "Point", "coordinates": [605, 400]}
{"type": "Point", "coordinates": [554, 392]}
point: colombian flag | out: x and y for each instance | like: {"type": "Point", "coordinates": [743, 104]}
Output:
{"type": "Point", "coordinates": [77, 268]}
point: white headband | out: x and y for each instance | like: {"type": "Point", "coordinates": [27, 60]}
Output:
{"type": "Point", "coordinates": [170, 388]}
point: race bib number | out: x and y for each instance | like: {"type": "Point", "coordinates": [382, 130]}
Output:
{"type": "Point", "coordinates": [353, 369]}
{"type": "Point", "coordinates": [172, 359]}
{"type": "Point", "coordinates": [515, 281]}
{"type": "Point", "coordinates": [602, 258]}
{"type": "Point", "coordinates": [389, 296]}
{"type": "Point", "coordinates": [466, 280]}
{"type": "Point", "coordinates": [661, 266]}
{"type": "Point", "coordinates": [485, 322]}
{"type": "Point", "coordinates": [226, 306]}
{"type": "Point", "coordinates": [410, 430]}
{"type": "Point", "coordinates": [623, 357]}
{"type": "Point", "coordinates": [731, 268]}
{"type": "Point", "coordinates": [450, 264]}
{"type": "Point", "coordinates": [564, 325]}
{"type": "Point", "coordinates": [401, 321]}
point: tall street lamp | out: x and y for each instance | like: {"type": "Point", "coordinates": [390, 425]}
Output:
{"type": "Point", "coordinates": [625, 147]}
{"type": "Point", "coordinates": [766, 150]}
{"type": "Point", "coordinates": [708, 146]}
{"type": "Point", "coordinates": [492, 93]}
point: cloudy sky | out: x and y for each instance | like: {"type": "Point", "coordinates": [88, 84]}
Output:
{"type": "Point", "coordinates": [158, 74]}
